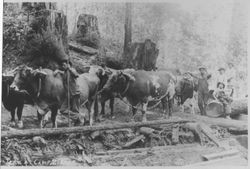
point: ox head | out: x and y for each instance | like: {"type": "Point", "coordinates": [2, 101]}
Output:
{"type": "Point", "coordinates": [102, 73]}
{"type": "Point", "coordinates": [24, 78]}
{"type": "Point", "coordinates": [116, 83]}
{"type": "Point", "coordinates": [184, 87]}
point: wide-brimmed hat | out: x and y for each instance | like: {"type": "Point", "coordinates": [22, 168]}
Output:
{"type": "Point", "coordinates": [221, 68]}
{"type": "Point", "coordinates": [202, 67]}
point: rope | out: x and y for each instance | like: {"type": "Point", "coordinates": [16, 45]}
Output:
{"type": "Point", "coordinates": [68, 94]}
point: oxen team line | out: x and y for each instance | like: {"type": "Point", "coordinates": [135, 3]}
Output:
{"type": "Point", "coordinates": [45, 90]}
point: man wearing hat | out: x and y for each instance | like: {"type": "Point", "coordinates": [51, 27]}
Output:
{"type": "Point", "coordinates": [230, 78]}
{"type": "Point", "coordinates": [70, 84]}
{"type": "Point", "coordinates": [221, 77]}
{"type": "Point", "coordinates": [203, 90]}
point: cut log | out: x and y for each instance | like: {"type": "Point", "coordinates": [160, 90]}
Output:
{"type": "Point", "coordinates": [146, 130]}
{"type": "Point", "coordinates": [238, 106]}
{"type": "Point", "coordinates": [175, 135]}
{"type": "Point", "coordinates": [222, 122]}
{"type": "Point", "coordinates": [223, 154]}
{"type": "Point", "coordinates": [66, 130]}
{"type": "Point", "coordinates": [195, 128]}
{"type": "Point", "coordinates": [156, 148]}
{"type": "Point", "coordinates": [82, 49]}
{"type": "Point", "coordinates": [133, 141]}
{"type": "Point", "coordinates": [209, 133]}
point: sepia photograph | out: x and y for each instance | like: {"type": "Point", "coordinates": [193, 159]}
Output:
{"type": "Point", "coordinates": [124, 83]}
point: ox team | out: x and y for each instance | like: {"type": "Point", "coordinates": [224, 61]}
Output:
{"type": "Point", "coordinates": [49, 90]}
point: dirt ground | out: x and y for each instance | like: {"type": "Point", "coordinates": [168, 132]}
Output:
{"type": "Point", "coordinates": [174, 157]}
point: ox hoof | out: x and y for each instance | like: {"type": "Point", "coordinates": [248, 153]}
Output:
{"type": "Point", "coordinates": [20, 124]}
{"type": "Point", "coordinates": [12, 124]}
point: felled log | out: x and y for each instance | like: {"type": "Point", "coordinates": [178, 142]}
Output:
{"type": "Point", "coordinates": [195, 128]}
{"type": "Point", "coordinates": [227, 153]}
{"type": "Point", "coordinates": [209, 133]}
{"type": "Point", "coordinates": [215, 108]}
{"type": "Point", "coordinates": [222, 122]}
{"type": "Point", "coordinates": [133, 141]}
{"type": "Point", "coordinates": [82, 49]}
{"type": "Point", "coordinates": [156, 148]}
{"type": "Point", "coordinates": [66, 130]}
{"type": "Point", "coordinates": [239, 106]}
{"type": "Point", "coordinates": [146, 130]}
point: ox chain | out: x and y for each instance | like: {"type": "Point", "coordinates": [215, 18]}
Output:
{"type": "Point", "coordinates": [149, 108]}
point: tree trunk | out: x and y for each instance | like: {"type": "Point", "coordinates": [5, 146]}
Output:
{"type": "Point", "coordinates": [128, 29]}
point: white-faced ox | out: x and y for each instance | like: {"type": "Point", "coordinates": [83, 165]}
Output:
{"type": "Point", "coordinates": [48, 92]}
{"type": "Point", "coordinates": [141, 87]}
{"type": "Point", "coordinates": [13, 101]}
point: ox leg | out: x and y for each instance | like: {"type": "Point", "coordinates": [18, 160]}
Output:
{"type": "Point", "coordinates": [19, 116]}
{"type": "Point", "coordinates": [54, 110]}
{"type": "Point", "coordinates": [111, 105]}
{"type": "Point", "coordinates": [103, 108]}
{"type": "Point", "coordinates": [164, 106]}
{"type": "Point", "coordinates": [12, 121]}
{"type": "Point", "coordinates": [170, 106]}
{"type": "Point", "coordinates": [91, 112]}
{"type": "Point", "coordinates": [96, 114]}
{"type": "Point", "coordinates": [144, 110]}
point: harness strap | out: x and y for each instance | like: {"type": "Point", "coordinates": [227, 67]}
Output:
{"type": "Point", "coordinates": [39, 87]}
{"type": "Point", "coordinates": [125, 90]}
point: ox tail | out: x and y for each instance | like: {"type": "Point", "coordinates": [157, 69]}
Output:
{"type": "Point", "coordinates": [96, 107]}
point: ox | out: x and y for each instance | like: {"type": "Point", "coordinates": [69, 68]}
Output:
{"type": "Point", "coordinates": [13, 101]}
{"type": "Point", "coordinates": [139, 87]}
{"type": "Point", "coordinates": [47, 90]}
{"type": "Point", "coordinates": [185, 88]}
{"type": "Point", "coordinates": [103, 74]}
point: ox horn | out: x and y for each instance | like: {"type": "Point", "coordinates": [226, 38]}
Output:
{"type": "Point", "coordinates": [39, 72]}
{"type": "Point", "coordinates": [130, 77]}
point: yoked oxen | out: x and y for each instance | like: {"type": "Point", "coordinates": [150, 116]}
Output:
{"type": "Point", "coordinates": [47, 90]}
{"type": "Point", "coordinates": [185, 88]}
{"type": "Point", "coordinates": [13, 101]}
{"type": "Point", "coordinates": [142, 87]}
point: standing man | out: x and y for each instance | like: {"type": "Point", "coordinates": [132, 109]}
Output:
{"type": "Point", "coordinates": [72, 88]}
{"type": "Point", "coordinates": [221, 77]}
{"type": "Point", "coordinates": [231, 78]}
{"type": "Point", "coordinates": [203, 90]}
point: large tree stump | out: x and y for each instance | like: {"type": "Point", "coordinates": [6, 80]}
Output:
{"type": "Point", "coordinates": [46, 42]}
{"type": "Point", "coordinates": [87, 33]}
{"type": "Point", "coordinates": [143, 55]}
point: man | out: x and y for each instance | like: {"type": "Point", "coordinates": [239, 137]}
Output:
{"type": "Point", "coordinates": [70, 84]}
{"type": "Point", "coordinates": [221, 96]}
{"type": "Point", "coordinates": [231, 78]}
{"type": "Point", "coordinates": [221, 77]}
{"type": "Point", "coordinates": [203, 90]}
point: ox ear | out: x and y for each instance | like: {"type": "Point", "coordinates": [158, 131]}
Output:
{"type": "Point", "coordinates": [128, 76]}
